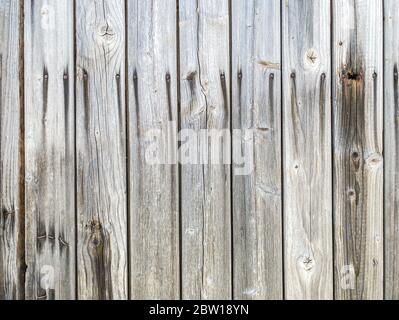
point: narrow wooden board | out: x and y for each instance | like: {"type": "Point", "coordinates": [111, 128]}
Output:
{"type": "Point", "coordinates": [49, 141]}
{"type": "Point", "coordinates": [257, 193]}
{"type": "Point", "coordinates": [205, 189]}
{"type": "Point", "coordinates": [11, 144]}
{"type": "Point", "coordinates": [358, 148]}
{"type": "Point", "coordinates": [307, 150]}
{"type": "Point", "coordinates": [391, 148]}
{"type": "Point", "coordinates": [154, 187]}
{"type": "Point", "coordinates": [101, 150]}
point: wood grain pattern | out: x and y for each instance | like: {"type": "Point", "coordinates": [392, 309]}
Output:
{"type": "Point", "coordinates": [358, 165]}
{"type": "Point", "coordinates": [154, 188]}
{"type": "Point", "coordinates": [391, 149]}
{"type": "Point", "coordinates": [307, 150]}
{"type": "Point", "coordinates": [88, 90]}
{"type": "Point", "coordinates": [101, 150]}
{"type": "Point", "coordinates": [11, 194]}
{"type": "Point", "coordinates": [256, 78]}
{"type": "Point", "coordinates": [205, 189]}
{"type": "Point", "coordinates": [49, 141]}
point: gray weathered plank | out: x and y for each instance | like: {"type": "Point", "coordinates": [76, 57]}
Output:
{"type": "Point", "coordinates": [358, 166]}
{"type": "Point", "coordinates": [205, 189]}
{"type": "Point", "coordinates": [11, 195]}
{"type": "Point", "coordinates": [257, 234]}
{"type": "Point", "coordinates": [391, 148]}
{"type": "Point", "coordinates": [307, 150]}
{"type": "Point", "coordinates": [154, 191]}
{"type": "Point", "coordinates": [49, 143]}
{"type": "Point", "coordinates": [101, 150]}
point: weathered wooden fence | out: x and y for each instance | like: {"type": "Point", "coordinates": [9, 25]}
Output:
{"type": "Point", "coordinates": [84, 216]}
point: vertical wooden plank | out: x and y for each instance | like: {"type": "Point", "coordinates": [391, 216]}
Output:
{"type": "Point", "coordinates": [205, 189]}
{"type": "Point", "coordinates": [49, 141]}
{"type": "Point", "coordinates": [101, 150]}
{"type": "Point", "coordinates": [11, 195]}
{"type": "Point", "coordinates": [307, 150]}
{"type": "Point", "coordinates": [256, 79]}
{"type": "Point", "coordinates": [154, 190]}
{"type": "Point", "coordinates": [358, 166]}
{"type": "Point", "coordinates": [391, 148]}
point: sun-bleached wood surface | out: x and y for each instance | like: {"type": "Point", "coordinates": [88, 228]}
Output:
{"type": "Point", "coordinates": [85, 86]}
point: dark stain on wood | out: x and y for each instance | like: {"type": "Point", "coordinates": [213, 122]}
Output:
{"type": "Point", "coordinates": [352, 133]}
{"type": "Point", "coordinates": [225, 100]}
{"type": "Point", "coordinates": [138, 126]}
{"type": "Point", "coordinates": [7, 221]}
{"type": "Point", "coordinates": [1, 158]}
{"type": "Point", "coordinates": [356, 160]}
{"type": "Point", "coordinates": [271, 100]}
{"type": "Point", "coordinates": [66, 112]}
{"type": "Point", "coordinates": [395, 88]}
{"type": "Point", "coordinates": [98, 249]}
{"type": "Point", "coordinates": [171, 137]}
{"type": "Point", "coordinates": [350, 75]}
{"type": "Point", "coordinates": [45, 94]}
{"type": "Point", "coordinates": [119, 98]}
{"type": "Point", "coordinates": [32, 14]}
{"type": "Point", "coordinates": [322, 108]}
{"type": "Point", "coordinates": [239, 84]}
{"type": "Point", "coordinates": [295, 113]}
{"type": "Point", "coordinates": [41, 235]}
{"type": "Point", "coordinates": [86, 101]}
{"type": "Point", "coordinates": [51, 235]}
{"type": "Point", "coordinates": [136, 100]}
{"type": "Point", "coordinates": [169, 98]}
{"type": "Point", "coordinates": [191, 83]}
{"type": "Point", "coordinates": [392, 264]}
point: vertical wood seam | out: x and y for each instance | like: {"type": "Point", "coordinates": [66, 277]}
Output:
{"type": "Point", "coordinates": [22, 147]}
{"type": "Point", "coordinates": [75, 151]}
{"type": "Point", "coordinates": [383, 151]}
{"type": "Point", "coordinates": [127, 152]}
{"type": "Point", "coordinates": [231, 149]}
{"type": "Point", "coordinates": [332, 143]}
{"type": "Point", "coordinates": [282, 148]}
{"type": "Point", "coordinates": [178, 88]}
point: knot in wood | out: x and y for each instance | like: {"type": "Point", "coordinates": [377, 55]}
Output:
{"type": "Point", "coordinates": [94, 226]}
{"type": "Point", "coordinates": [7, 213]}
{"type": "Point", "coordinates": [191, 75]}
{"type": "Point", "coordinates": [307, 262]}
{"type": "Point", "coordinates": [375, 160]}
{"type": "Point", "coordinates": [351, 194]}
{"type": "Point", "coordinates": [349, 75]}
{"type": "Point", "coordinates": [311, 59]}
{"type": "Point", "coordinates": [105, 30]}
